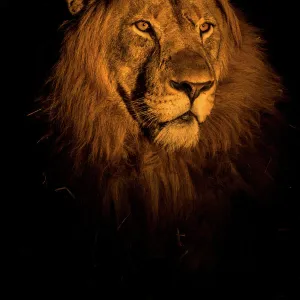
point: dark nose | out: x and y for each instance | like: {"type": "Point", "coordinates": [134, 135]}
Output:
{"type": "Point", "coordinates": [192, 89]}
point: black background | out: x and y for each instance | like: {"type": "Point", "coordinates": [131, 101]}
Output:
{"type": "Point", "coordinates": [33, 40]}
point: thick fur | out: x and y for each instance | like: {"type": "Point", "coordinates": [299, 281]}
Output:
{"type": "Point", "coordinates": [112, 158]}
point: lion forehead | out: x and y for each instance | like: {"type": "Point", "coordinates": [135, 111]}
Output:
{"type": "Point", "coordinates": [165, 12]}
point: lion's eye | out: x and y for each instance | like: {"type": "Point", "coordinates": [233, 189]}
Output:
{"type": "Point", "coordinates": [205, 27]}
{"type": "Point", "coordinates": [143, 26]}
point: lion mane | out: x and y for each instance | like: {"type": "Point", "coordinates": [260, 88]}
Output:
{"type": "Point", "coordinates": [113, 160]}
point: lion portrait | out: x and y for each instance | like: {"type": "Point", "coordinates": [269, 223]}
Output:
{"type": "Point", "coordinates": [156, 110]}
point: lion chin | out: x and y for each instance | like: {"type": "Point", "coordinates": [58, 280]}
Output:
{"type": "Point", "coordinates": [181, 133]}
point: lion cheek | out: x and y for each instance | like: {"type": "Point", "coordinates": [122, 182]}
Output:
{"type": "Point", "coordinates": [202, 106]}
{"type": "Point", "coordinates": [125, 78]}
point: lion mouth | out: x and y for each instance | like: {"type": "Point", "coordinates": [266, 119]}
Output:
{"type": "Point", "coordinates": [185, 118]}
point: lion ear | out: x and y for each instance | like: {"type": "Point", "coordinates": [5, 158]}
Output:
{"type": "Point", "coordinates": [75, 6]}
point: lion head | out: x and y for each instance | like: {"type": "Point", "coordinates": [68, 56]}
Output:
{"type": "Point", "coordinates": [156, 86]}
{"type": "Point", "coordinates": [163, 71]}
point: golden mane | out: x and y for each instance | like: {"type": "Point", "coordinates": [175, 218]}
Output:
{"type": "Point", "coordinates": [130, 170]}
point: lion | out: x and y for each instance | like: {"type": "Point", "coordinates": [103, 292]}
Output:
{"type": "Point", "coordinates": [153, 104]}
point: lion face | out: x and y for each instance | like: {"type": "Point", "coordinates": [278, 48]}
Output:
{"type": "Point", "coordinates": [163, 61]}
{"type": "Point", "coordinates": [167, 65]}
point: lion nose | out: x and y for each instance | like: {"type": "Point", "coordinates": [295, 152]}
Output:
{"type": "Point", "coordinates": [192, 89]}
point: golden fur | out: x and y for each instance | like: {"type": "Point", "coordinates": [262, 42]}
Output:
{"type": "Point", "coordinates": [165, 173]}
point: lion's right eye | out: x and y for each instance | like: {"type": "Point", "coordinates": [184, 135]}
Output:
{"type": "Point", "coordinates": [143, 26]}
{"type": "Point", "coordinates": [205, 27]}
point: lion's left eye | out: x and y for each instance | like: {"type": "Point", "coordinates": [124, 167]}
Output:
{"type": "Point", "coordinates": [205, 27]}
{"type": "Point", "coordinates": [143, 26]}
